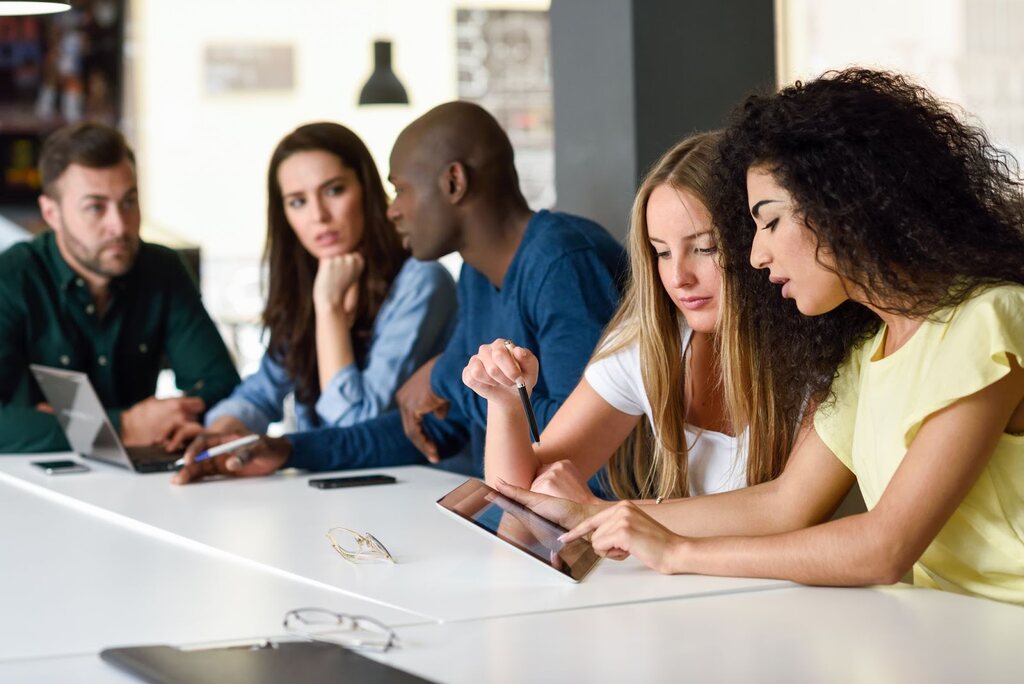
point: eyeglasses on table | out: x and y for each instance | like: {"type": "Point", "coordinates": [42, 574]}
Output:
{"type": "Point", "coordinates": [358, 547]}
{"type": "Point", "coordinates": [351, 631]}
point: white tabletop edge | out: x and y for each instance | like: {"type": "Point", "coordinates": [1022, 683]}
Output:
{"type": "Point", "coordinates": [188, 543]}
{"type": "Point", "coordinates": [631, 602]}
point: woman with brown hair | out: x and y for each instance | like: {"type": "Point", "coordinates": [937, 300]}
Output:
{"type": "Point", "coordinates": [350, 314]}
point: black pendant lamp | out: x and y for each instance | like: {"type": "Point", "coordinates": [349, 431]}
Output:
{"type": "Point", "coordinates": [17, 8]}
{"type": "Point", "coordinates": [383, 87]}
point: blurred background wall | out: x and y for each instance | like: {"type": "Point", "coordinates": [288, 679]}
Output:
{"type": "Point", "coordinates": [591, 92]}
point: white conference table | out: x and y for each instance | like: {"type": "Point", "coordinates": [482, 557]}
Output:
{"type": "Point", "coordinates": [75, 582]}
{"type": "Point", "coordinates": [445, 571]}
{"type": "Point", "coordinates": [803, 634]}
{"type": "Point", "coordinates": [145, 562]}
{"type": "Point", "coordinates": [800, 634]}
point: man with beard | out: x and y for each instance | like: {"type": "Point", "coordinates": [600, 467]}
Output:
{"type": "Point", "coordinates": [91, 296]}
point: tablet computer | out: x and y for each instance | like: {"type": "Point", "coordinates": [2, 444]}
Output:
{"type": "Point", "coordinates": [485, 509]}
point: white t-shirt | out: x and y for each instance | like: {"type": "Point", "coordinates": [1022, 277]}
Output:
{"type": "Point", "coordinates": [717, 462]}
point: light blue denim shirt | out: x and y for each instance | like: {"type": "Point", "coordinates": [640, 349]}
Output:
{"type": "Point", "coordinates": [412, 326]}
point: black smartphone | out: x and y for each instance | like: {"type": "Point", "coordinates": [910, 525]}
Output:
{"type": "Point", "coordinates": [61, 467]}
{"type": "Point", "coordinates": [350, 481]}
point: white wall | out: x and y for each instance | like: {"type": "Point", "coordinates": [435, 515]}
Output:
{"type": "Point", "coordinates": [921, 38]}
{"type": "Point", "coordinates": [968, 52]}
{"type": "Point", "coordinates": [203, 158]}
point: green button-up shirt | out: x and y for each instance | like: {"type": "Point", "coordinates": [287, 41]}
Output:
{"type": "Point", "coordinates": [48, 316]}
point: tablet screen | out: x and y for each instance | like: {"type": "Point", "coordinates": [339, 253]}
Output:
{"type": "Point", "coordinates": [475, 502]}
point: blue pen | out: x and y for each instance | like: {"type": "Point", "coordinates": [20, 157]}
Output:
{"type": "Point", "coordinates": [220, 449]}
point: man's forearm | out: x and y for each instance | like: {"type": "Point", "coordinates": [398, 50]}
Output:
{"type": "Point", "coordinates": [378, 442]}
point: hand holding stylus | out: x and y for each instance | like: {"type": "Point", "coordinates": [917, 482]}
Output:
{"type": "Point", "coordinates": [524, 396]}
{"type": "Point", "coordinates": [494, 370]}
{"type": "Point", "coordinates": [500, 372]}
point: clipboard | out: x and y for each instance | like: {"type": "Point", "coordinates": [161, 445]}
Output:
{"type": "Point", "coordinates": [295, 662]}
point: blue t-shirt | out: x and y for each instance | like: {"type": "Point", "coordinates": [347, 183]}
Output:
{"type": "Point", "coordinates": [559, 292]}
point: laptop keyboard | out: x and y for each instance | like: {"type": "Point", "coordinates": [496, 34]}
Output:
{"type": "Point", "coordinates": [152, 454]}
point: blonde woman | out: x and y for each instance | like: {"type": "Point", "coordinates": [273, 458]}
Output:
{"type": "Point", "coordinates": [658, 359]}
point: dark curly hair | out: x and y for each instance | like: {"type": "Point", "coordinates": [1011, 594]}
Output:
{"type": "Point", "coordinates": [914, 207]}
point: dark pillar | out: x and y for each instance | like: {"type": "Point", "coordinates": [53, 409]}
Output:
{"type": "Point", "coordinates": [633, 76]}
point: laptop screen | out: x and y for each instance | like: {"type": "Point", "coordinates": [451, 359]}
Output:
{"type": "Point", "coordinates": [81, 414]}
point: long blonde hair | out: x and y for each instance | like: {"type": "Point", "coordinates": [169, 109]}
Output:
{"type": "Point", "coordinates": [650, 464]}
{"type": "Point", "coordinates": [653, 464]}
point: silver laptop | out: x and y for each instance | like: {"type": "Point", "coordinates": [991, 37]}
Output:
{"type": "Point", "coordinates": [82, 417]}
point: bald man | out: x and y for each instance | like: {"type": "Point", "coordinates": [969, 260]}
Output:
{"type": "Point", "coordinates": [549, 281]}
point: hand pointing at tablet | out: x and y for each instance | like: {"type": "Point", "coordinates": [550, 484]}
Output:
{"type": "Point", "coordinates": [616, 530]}
{"type": "Point", "coordinates": [623, 529]}
{"type": "Point", "coordinates": [566, 513]}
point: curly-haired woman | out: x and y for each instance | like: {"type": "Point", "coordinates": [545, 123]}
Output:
{"type": "Point", "coordinates": [898, 232]}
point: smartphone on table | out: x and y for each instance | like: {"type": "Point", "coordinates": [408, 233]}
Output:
{"type": "Point", "coordinates": [61, 467]}
{"type": "Point", "coordinates": [350, 481]}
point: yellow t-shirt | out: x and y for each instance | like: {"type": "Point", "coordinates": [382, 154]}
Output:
{"type": "Point", "coordinates": [882, 403]}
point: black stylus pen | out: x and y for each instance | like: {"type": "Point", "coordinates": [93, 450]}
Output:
{"type": "Point", "coordinates": [524, 397]}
